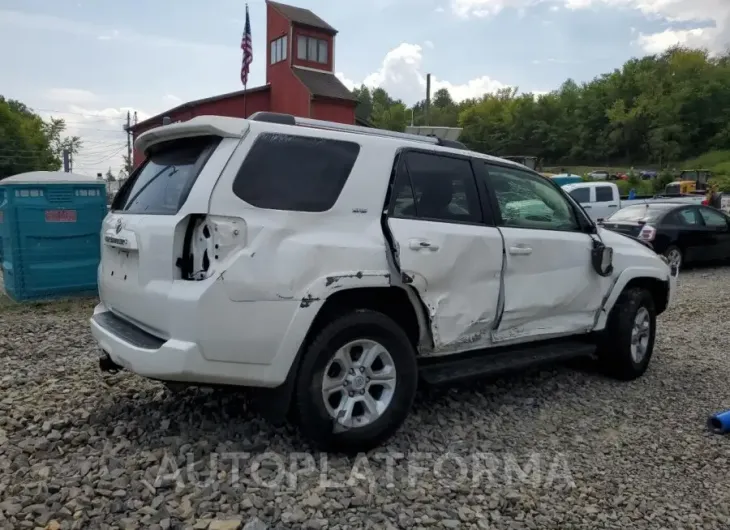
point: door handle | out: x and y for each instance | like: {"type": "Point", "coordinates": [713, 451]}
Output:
{"type": "Point", "coordinates": [420, 244]}
{"type": "Point", "coordinates": [586, 207]}
{"type": "Point", "coordinates": [613, 206]}
{"type": "Point", "coordinates": [520, 251]}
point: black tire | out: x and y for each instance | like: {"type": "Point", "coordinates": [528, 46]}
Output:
{"type": "Point", "coordinates": [674, 248]}
{"type": "Point", "coordinates": [315, 421]}
{"type": "Point", "coordinates": [614, 350]}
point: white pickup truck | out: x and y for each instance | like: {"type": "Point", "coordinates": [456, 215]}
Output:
{"type": "Point", "coordinates": [601, 199]}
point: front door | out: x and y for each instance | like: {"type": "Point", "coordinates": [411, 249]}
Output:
{"type": "Point", "coordinates": [550, 286]}
{"type": "Point", "coordinates": [447, 248]}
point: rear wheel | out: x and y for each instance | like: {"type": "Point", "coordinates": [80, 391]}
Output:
{"type": "Point", "coordinates": [674, 256]}
{"type": "Point", "coordinates": [357, 382]}
{"type": "Point", "coordinates": [628, 341]}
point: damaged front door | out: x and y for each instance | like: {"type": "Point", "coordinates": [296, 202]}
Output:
{"type": "Point", "coordinates": [447, 248]}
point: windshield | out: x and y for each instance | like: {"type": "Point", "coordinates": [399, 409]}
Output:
{"type": "Point", "coordinates": [640, 212]}
{"type": "Point", "coordinates": [162, 184]}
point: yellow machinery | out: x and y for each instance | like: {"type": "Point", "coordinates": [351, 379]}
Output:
{"type": "Point", "coordinates": [681, 187]}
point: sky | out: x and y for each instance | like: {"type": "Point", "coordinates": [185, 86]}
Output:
{"type": "Point", "coordinates": [91, 62]}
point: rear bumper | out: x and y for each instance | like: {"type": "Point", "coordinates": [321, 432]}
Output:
{"type": "Point", "coordinates": [172, 360]}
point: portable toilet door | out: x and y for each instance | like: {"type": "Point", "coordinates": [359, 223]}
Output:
{"type": "Point", "coordinates": [54, 226]}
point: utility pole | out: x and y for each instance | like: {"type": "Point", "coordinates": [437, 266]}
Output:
{"type": "Point", "coordinates": [129, 139]}
{"type": "Point", "coordinates": [66, 161]}
{"type": "Point", "coordinates": [428, 98]}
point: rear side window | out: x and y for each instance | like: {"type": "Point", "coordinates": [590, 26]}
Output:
{"type": "Point", "coordinates": [296, 173]}
{"type": "Point", "coordinates": [162, 184]}
{"type": "Point", "coordinates": [604, 194]}
{"type": "Point", "coordinates": [581, 195]}
{"type": "Point", "coordinates": [437, 188]}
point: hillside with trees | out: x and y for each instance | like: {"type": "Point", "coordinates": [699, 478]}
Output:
{"type": "Point", "coordinates": [659, 110]}
{"type": "Point", "coordinates": [28, 143]}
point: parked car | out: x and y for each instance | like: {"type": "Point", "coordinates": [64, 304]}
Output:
{"type": "Point", "coordinates": [681, 232]}
{"type": "Point", "coordinates": [331, 268]}
{"type": "Point", "coordinates": [598, 174]}
{"type": "Point", "coordinates": [601, 200]}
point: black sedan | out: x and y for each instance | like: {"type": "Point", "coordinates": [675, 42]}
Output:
{"type": "Point", "coordinates": [683, 233]}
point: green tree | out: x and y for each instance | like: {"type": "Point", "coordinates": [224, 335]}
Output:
{"type": "Point", "coordinates": [27, 143]}
{"type": "Point", "coordinates": [109, 177]}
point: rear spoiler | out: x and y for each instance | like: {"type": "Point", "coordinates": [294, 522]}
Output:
{"type": "Point", "coordinates": [199, 126]}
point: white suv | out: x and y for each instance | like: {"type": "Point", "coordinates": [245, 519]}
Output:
{"type": "Point", "coordinates": [332, 267]}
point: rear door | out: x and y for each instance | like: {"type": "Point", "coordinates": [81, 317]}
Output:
{"type": "Point", "coordinates": [550, 287]}
{"type": "Point", "coordinates": [605, 201]}
{"type": "Point", "coordinates": [142, 237]}
{"type": "Point", "coordinates": [447, 246]}
{"type": "Point", "coordinates": [685, 228]}
{"type": "Point", "coordinates": [718, 232]}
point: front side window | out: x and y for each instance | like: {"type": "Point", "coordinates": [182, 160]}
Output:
{"type": "Point", "coordinates": [436, 187]}
{"type": "Point", "coordinates": [163, 182]}
{"type": "Point", "coordinates": [295, 173]}
{"type": "Point", "coordinates": [581, 195]}
{"type": "Point", "coordinates": [529, 201]}
{"type": "Point", "coordinates": [312, 49]}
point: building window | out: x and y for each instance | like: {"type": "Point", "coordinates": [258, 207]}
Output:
{"type": "Point", "coordinates": [278, 50]}
{"type": "Point", "coordinates": [311, 49]}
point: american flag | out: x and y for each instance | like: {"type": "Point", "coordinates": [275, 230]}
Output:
{"type": "Point", "coordinates": [247, 50]}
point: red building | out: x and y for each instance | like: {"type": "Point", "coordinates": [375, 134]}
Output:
{"type": "Point", "coordinates": [300, 78]}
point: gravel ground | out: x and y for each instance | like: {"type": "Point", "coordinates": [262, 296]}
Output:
{"type": "Point", "coordinates": [563, 448]}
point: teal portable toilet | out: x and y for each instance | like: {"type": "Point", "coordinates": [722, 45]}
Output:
{"type": "Point", "coordinates": [50, 232]}
{"type": "Point", "coordinates": [565, 178]}
{"type": "Point", "coordinates": [2, 213]}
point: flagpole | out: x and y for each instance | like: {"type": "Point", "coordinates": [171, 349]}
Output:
{"type": "Point", "coordinates": [245, 85]}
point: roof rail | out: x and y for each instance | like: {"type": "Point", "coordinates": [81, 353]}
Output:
{"type": "Point", "coordinates": [288, 119]}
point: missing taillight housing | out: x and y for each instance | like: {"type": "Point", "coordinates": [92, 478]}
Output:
{"type": "Point", "coordinates": [647, 233]}
{"type": "Point", "coordinates": [214, 239]}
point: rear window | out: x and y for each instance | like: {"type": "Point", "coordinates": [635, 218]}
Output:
{"type": "Point", "coordinates": [163, 182]}
{"type": "Point", "coordinates": [639, 212]}
{"type": "Point", "coordinates": [288, 172]}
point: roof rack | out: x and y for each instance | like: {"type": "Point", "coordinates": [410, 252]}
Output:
{"type": "Point", "coordinates": [289, 119]}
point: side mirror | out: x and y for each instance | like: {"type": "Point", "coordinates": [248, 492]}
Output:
{"type": "Point", "coordinates": [602, 258]}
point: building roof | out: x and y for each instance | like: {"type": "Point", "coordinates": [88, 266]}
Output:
{"type": "Point", "coordinates": [323, 84]}
{"type": "Point", "coordinates": [197, 102]}
{"type": "Point", "coordinates": [303, 17]}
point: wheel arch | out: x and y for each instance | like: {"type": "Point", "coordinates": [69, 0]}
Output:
{"type": "Point", "coordinates": [401, 304]}
{"type": "Point", "coordinates": [653, 280]}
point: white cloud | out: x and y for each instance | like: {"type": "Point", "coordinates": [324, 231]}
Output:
{"type": "Point", "coordinates": [428, 44]}
{"type": "Point", "coordinates": [658, 42]}
{"type": "Point", "coordinates": [711, 18]}
{"type": "Point", "coordinates": [401, 74]}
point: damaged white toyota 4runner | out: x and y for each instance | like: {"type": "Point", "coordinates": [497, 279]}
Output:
{"type": "Point", "coordinates": [333, 267]}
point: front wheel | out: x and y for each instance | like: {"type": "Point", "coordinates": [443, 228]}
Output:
{"type": "Point", "coordinates": [357, 382]}
{"type": "Point", "coordinates": [674, 257]}
{"type": "Point", "coordinates": [628, 340]}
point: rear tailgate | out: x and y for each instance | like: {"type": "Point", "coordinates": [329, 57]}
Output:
{"type": "Point", "coordinates": [143, 235]}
